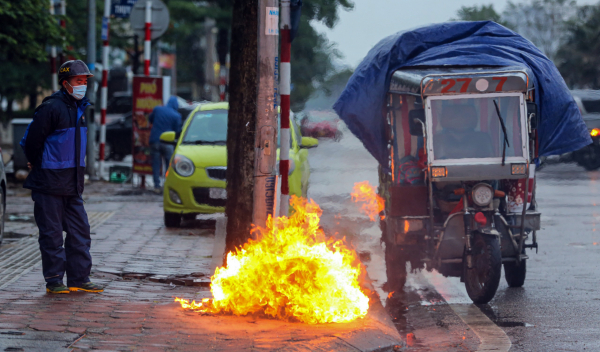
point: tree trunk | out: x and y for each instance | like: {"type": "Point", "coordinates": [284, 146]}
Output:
{"type": "Point", "coordinates": [9, 109]}
{"type": "Point", "coordinates": [33, 100]}
{"type": "Point", "coordinates": [242, 121]}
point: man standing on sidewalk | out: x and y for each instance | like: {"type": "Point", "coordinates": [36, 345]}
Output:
{"type": "Point", "coordinates": [55, 146]}
{"type": "Point", "coordinates": [163, 119]}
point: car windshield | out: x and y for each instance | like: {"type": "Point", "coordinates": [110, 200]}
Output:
{"type": "Point", "coordinates": [207, 127]}
{"type": "Point", "coordinates": [471, 128]}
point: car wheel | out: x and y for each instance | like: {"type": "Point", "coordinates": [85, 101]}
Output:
{"type": "Point", "coordinates": [172, 219]}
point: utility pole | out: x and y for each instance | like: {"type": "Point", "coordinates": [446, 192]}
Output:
{"type": "Point", "coordinates": [241, 125]}
{"type": "Point", "coordinates": [265, 179]}
{"type": "Point", "coordinates": [91, 93]}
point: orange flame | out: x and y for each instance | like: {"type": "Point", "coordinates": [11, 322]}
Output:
{"type": "Point", "coordinates": [291, 271]}
{"type": "Point", "coordinates": [364, 193]}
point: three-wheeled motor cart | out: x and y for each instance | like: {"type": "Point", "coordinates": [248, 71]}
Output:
{"type": "Point", "coordinates": [457, 115]}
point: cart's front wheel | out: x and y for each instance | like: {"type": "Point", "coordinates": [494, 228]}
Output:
{"type": "Point", "coordinates": [515, 274]}
{"type": "Point", "coordinates": [482, 280]}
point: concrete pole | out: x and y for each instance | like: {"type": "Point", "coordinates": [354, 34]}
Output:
{"type": "Point", "coordinates": [53, 57]}
{"type": "Point", "coordinates": [265, 146]}
{"type": "Point", "coordinates": [91, 92]}
{"type": "Point", "coordinates": [285, 84]}
{"type": "Point", "coordinates": [104, 87]}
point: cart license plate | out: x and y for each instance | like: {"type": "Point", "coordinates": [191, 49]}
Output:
{"type": "Point", "coordinates": [217, 193]}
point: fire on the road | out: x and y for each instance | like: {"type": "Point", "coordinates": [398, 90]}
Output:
{"type": "Point", "coordinates": [291, 271]}
{"type": "Point", "coordinates": [364, 193]}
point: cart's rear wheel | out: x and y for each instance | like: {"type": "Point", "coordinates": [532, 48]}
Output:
{"type": "Point", "coordinates": [395, 265]}
{"type": "Point", "coordinates": [482, 280]}
{"type": "Point", "coordinates": [515, 274]}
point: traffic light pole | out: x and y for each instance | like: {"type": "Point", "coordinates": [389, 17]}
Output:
{"type": "Point", "coordinates": [265, 180]}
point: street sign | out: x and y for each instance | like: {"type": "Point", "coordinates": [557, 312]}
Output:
{"type": "Point", "coordinates": [104, 31]}
{"type": "Point", "coordinates": [121, 8]}
{"type": "Point", "coordinates": [160, 18]}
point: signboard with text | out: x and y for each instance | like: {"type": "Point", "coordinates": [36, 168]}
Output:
{"type": "Point", "coordinates": [147, 94]}
{"type": "Point", "coordinates": [122, 8]}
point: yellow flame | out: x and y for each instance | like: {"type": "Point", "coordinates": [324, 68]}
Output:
{"type": "Point", "coordinates": [364, 193]}
{"type": "Point", "coordinates": [291, 271]}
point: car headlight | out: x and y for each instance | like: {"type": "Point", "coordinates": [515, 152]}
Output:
{"type": "Point", "coordinates": [183, 166]}
{"type": "Point", "coordinates": [482, 194]}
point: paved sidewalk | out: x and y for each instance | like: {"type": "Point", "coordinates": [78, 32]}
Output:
{"type": "Point", "coordinates": [135, 313]}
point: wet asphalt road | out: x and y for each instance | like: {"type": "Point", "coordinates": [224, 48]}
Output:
{"type": "Point", "coordinates": [558, 309]}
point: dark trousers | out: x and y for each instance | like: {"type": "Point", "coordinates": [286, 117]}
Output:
{"type": "Point", "coordinates": [53, 215]}
{"type": "Point", "coordinates": [160, 152]}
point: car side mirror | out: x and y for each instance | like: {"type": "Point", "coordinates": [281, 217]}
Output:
{"type": "Point", "coordinates": [309, 142]}
{"type": "Point", "coordinates": [168, 137]}
{"type": "Point", "coordinates": [416, 121]}
{"type": "Point", "coordinates": [532, 115]}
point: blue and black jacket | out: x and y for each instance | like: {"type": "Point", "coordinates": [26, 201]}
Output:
{"type": "Point", "coordinates": [55, 144]}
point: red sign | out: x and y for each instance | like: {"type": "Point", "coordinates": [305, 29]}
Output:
{"type": "Point", "coordinates": [475, 84]}
{"type": "Point", "coordinates": [147, 94]}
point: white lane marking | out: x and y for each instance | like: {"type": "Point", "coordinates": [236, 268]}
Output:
{"type": "Point", "coordinates": [491, 337]}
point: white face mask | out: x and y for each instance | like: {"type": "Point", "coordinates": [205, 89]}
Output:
{"type": "Point", "coordinates": [78, 91]}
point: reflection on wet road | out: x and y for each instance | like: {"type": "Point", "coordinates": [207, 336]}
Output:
{"type": "Point", "coordinates": [557, 309]}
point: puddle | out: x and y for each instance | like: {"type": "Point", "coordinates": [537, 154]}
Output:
{"type": "Point", "coordinates": [512, 324]}
{"type": "Point", "coordinates": [193, 279]}
{"type": "Point", "coordinates": [20, 218]}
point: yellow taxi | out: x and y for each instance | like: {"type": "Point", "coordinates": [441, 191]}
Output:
{"type": "Point", "coordinates": [195, 181]}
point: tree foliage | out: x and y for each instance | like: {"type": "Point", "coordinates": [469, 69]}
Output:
{"type": "Point", "coordinates": [27, 27]}
{"type": "Point", "coordinates": [578, 59]}
{"type": "Point", "coordinates": [541, 21]}
{"type": "Point", "coordinates": [479, 13]}
{"type": "Point", "coordinates": [312, 53]}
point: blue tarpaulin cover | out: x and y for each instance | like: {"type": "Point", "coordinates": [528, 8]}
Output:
{"type": "Point", "coordinates": [483, 43]}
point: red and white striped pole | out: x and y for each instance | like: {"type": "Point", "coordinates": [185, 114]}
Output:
{"type": "Point", "coordinates": [104, 87]}
{"type": "Point", "coordinates": [284, 89]}
{"type": "Point", "coordinates": [53, 57]}
{"type": "Point", "coordinates": [148, 36]}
